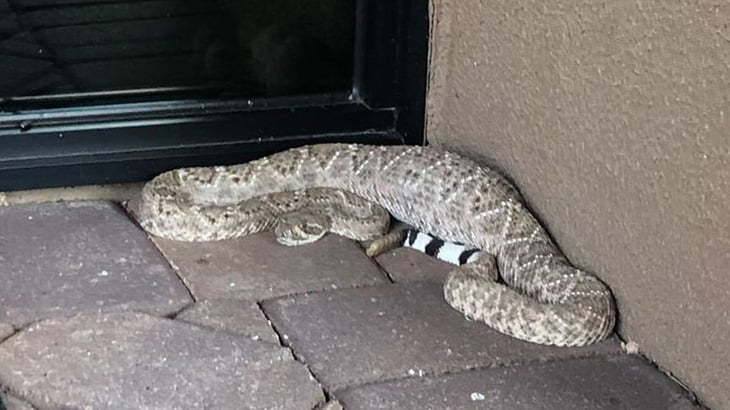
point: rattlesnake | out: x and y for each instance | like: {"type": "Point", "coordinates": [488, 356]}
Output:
{"type": "Point", "coordinates": [530, 291]}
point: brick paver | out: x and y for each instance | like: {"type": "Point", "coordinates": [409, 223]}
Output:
{"type": "Point", "coordinates": [134, 361]}
{"type": "Point", "coordinates": [65, 258]}
{"type": "Point", "coordinates": [407, 265]}
{"type": "Point", "coordinates": [369, 342]}
{"type": "Point", "coordinates": [257, 267]}
{"type": "Point", "coordinates": [355, 336]}
{"type": "Point", "coordinates": [601, 383]}
{"type": "Point", "coordinates": [233, 316]}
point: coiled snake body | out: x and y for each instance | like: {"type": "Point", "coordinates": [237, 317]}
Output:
{"type": "Point", "coordinates": [522, 285]}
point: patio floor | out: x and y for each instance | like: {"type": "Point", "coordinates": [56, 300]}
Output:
{"type": "Point", "coordinates": [96, 315]}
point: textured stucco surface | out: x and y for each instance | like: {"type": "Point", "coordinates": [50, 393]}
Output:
{"type": "Point", "coordinates": [613, 118]}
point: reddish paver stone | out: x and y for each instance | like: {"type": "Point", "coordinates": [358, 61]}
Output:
{"type": "Point", "coordinates": [408, 265]}
{"type": "Point", "coordinates": [256, 267]}
{"type": "Point", "coordinates": [602, 383]}
{"type": "Point", "coordinates": [233, 316]}
{"type": "Point", "coordinates": [134, 361]}
{"type": "Point", "coordinates": [354, 336]}
{"type": "Point", "coordinates": [71, 257]}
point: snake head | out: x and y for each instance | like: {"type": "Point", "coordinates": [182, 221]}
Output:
{"type": "Point", "coordinates": [299, 228]}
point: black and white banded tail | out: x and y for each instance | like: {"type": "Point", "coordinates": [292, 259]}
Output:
{"type": "Point", "coordinates": [450, 252]}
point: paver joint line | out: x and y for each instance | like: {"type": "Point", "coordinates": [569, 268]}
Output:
{"type": "Point", "coordinates": [327, 314]}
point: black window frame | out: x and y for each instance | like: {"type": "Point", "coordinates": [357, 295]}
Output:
{"type": "Point", "coordinates": [63, 141]}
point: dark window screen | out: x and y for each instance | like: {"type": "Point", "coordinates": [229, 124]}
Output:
{"type": "Point", "coordinates": [249, 48]}
{"type": "Point", "coordinates": [110, 91]}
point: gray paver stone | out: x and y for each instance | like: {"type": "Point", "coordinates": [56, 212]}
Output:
{"type": "Point", "coordinates": [407, 265]}
{"type": "Point", "coordinates": [65, 258]}
{"type": "Point", "coordinates": [11, 402]}
{"type": "Point", "coordinates": [354, 336]}
{"type": "Point", "coordinates": [605, 383]}
{"type": "Point", "coordinates": [684, 403]}
{"type": "Point", "coordinates": [5, 331]}
{"type": "Point", "coordinates": [231, 315]}
{"type": "Point", "coordinates": [256, 267]}
{"type": "Point", "coordinates": [134, 361]}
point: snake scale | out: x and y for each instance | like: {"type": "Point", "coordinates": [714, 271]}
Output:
{"type": "Point", "coordinates": [522, 286]}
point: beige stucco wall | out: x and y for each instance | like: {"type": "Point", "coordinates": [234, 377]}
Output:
{"type": "Point", "coordinates": [613, 118]}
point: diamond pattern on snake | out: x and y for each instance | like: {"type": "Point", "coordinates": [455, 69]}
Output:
{"type": "Point", "coordinates": [515, 279]}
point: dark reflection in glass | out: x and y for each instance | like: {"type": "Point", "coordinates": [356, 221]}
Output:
{"type": "Point", "coordinates": [200, 47]}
